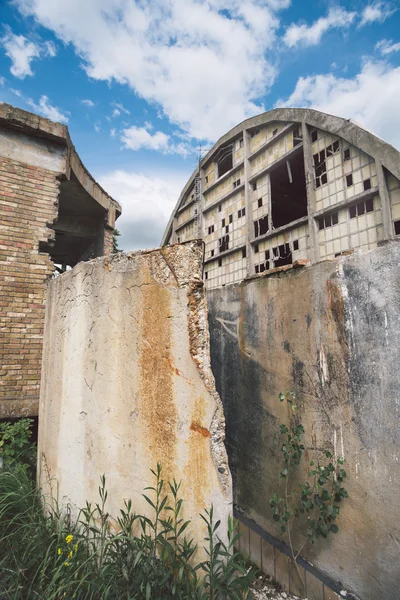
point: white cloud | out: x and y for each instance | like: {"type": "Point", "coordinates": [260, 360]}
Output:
{"type": "Point", "coordinates": [22, 52]}
{"type": "Point", "coordinates": [310, 35]}
{"type": "Point", "coordinates": [88, 103]}
{"type": "Point", "coordinates": [116, 112]}
{"type": "Point", "coordinates": [2, 80]}
{"type": "Point", "coordinates": [47, 110]}
{"type": "Point", "coordinates": [121, 108]}
{"type": "Point", "coordinates": [136, 138]}
{"type": "Point", "coordinates": [387, 46]}
{"type": "Point", "coordinates": [147, 203]}
{"type": "Point", "coordinates": [356, 98]}
{"type": "Point", "coordinates": [97, 127]}
{"type": "Point", "coordinates": [113, 132]}
{"type": "Point", "coordinates": [375, 12]}
{"type": "Point", "coordinates": [204, 62]}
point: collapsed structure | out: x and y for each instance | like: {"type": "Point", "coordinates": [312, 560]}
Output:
{"type": "Point", "coordinates": [52, 211]}
{"type": "Point", "coordinates": [287, 185]}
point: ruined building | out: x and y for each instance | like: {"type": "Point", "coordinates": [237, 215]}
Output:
{"type": "Point", "coordinates": [287, 185]}
{"type": "Point", "coordinates": [51, 212]}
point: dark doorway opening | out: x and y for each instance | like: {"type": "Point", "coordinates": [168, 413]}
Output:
{"type": "Point", "coordinates": [288, 191]}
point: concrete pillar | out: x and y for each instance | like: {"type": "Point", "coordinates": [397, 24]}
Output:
{"type": "Point", "coordinates": [311, 199]}
{"type": "Point", "coordinates": [249, 205]}
{"type": "Point", "coordinates": [127, 383]}
{"type": "Point", "coordinates": [385, 202]}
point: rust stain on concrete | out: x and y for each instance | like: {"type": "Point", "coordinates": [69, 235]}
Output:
{"type": "Point", "coordinates": [202, 430]}
{"type": "Point", "coordinates": [156, 406]}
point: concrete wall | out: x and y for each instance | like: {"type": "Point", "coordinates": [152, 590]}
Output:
{"type": "Point", "coordinates": [330, 332]}
{"type": "Point", "coordinates": [127, 383]}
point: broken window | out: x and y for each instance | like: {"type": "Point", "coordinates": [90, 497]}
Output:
{"type": "Point", "coordinates": [225, 160]}
{"type": "Point", "coordinates": [236, 183]}
{"type": "Point", "coordinates": [259, 202]}
{"type": "Point", "coordinates": [261, 226]}
{"type": "Point", "coordinates": [220, 262]}
{"type": "Point", "coordinates": [397, 227]}
{"type": "Point", "coordinates": [226, 228]}
{"type": "Point", "coordinates": [223, 243]}
{"type": "Point", "coordinates": [219, 208]}
{"type": "Point", "coordinates": [257, 269]}
{"type": "Point", "coordinates": [283, 256]}
{"type": "Point", "coordinates": [254, 132]}
{"type": "Point", "coordinates": [288, 191]}
{"type": "Point", "coordinates": [241, 212]}
{"type": "Point", "coordinates": [223, 222]}
{"type": "Point", "coordinates": [256, 249]}
{"type": "Point", "coordinates": [349, 180]}
{"type": "Point", "coordinates": [244, 252]}
{"type": "Point", "coordinates": [366, 206]}
{"type": "Point", "coordinates": [230, 218]}
{"type": "Point", "coordinates": [254, 184]}
{"type": "Point", "coordinates": [275, 131]}
{"type": "Point", "coordinates": [211, 229]}
{"type": "Point", "coordinates": [296, 245]}
{"type": "Point", "coordinates": [314, 135]}
{"type": "Point", "coordinates": [212, 252]}
{"type": "Point", "coordinates": [346, 154]}
{"type": "Point", "coordinates": [319, 160]}
{"type": "Point", "coordinates": [297, 139]}
{"type": "Point", "coordinates": [206, 178]}
{"type": "Point", "coordinates": [333, 148]}
{"type": "Point", "coordinates": [206, 274]}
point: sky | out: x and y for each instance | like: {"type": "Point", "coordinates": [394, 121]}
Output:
{"type": "Point", "coordinates": [142, 85]}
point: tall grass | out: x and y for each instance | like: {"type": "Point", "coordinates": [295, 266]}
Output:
{"type": "Point", "coordinates": [52, 557]}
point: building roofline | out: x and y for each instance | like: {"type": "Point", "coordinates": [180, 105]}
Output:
{"type": "Point", "coordinates": [37, 126]}
{"type": "Point", "coordinates": [347, 129]}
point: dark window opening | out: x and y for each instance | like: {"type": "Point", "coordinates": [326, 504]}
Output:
{"type": "Point", "coordinates": [254, 184]}
{"type": "Point", "coordinates": [319, 160]}
{"type": "Point", "coordinates": [223, 243]}
{"type": "Point", "coordinates": [230, 218]}
{"type": "Point", "coordinates": [349, 180]}
{"type": "Point", "coordinates": [289, 198]}
{"type": "Point", "coordinates": [297, 139]}
{"type": "Point", "coordinates": [267, 255]}
{"type": "Point", "coordinates": [256, 248]}
{"type": "Point", "coordinates": [240, 142]}
{"type": "Point", "coordinates": [328, 221]}
{"type": "Point", "coordinates": [333, 148]}
{"type": "Point", "coordinates": [219, 208]}
{"type": "Point", "coordinates": [227, 229]}
{"type": "Point", "coordinates": [275, 131]}
{"type": "Point", "coordinates": [206, 178]}
{"type": "Point", "coordinates": [296, 245]}
{"type": "Point", "coordinates": [179, 240]}
{"type": "Point", "coordinates": [223, 222]}
{"type": "Point", "coordinates": [206, 275]}
{"type": "Point", "coordinates": [346, 154]}
{"type": "Point", "coordinates": [397, 227]}
{"type": "Point", "coordinates": [259, 202]}
{"type": "Point", "coordinates": [244, 253]}
{"type": "Point", "coordinates": [254, 132]}
{"type": "Point", "coordinates": [211, 229]}
{"type": "Point", "coordinates": [261, 226]}
{"type": "Point", "coordinates": [236, 183]}
{"type": "Point", "coordinates": [220, 262]}
{"type": "Point", "coordinates": [282, 255]}
{"type": "Point", "coordinates": [257, 269]}
{"type": "Point", "coordinates": [361, 208]}
{"type": "Point", "coordinates": [352, 212]}
{"type": "Point", "coordinates": [225, 161]}
{"type": "Point", "coordinates": [367, 184]}
{"type": "Point", "coordinates": [243, 212]}
{"type": "Point", "coordinates": [369, 205]}
{"type": "Point", "coordinates": [314, 135]}
{"type": "Point", "coordinates": [212, 252]}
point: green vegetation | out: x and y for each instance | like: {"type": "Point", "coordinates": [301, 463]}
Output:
{"type": "Point", "coordinates": [93, 557]}
{"type": "Point", "coordinates": [313, 502]}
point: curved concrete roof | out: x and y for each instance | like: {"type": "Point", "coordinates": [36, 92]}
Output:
{"type": "Point", "coordinates": [347, 129]}
{"type": "Point", "coordinates": [39, 127]}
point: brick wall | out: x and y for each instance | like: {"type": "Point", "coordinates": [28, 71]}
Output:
{"type": "Point", "coordinates": [28, 200]}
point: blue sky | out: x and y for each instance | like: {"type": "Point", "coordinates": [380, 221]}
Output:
{"type": "Point", "coordinates": [141, 84]}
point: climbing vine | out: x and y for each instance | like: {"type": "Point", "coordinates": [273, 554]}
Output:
{"type": "Point", "coordinates": [314, 502]}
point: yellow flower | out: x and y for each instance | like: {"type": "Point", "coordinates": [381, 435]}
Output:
{"type": "Point", "coordinates": [66, 564]}
{"type": "Point", "coordinates": [59, 551]}
{"type": "Point", "coordinates": [69, 538]}
{"type": "Point", "coordinates": [70, 554]}
{"type": "Point", "coordinates": [76, 547]}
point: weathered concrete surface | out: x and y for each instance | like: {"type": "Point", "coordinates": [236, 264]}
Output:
{"type": "Point", "coordinates": [331, 332]}
{"type": "Point", "coordinates": [127, 383]}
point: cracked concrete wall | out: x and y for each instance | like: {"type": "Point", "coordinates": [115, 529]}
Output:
{"type": "Point", "coordinates": [330, 332]}
{"type": "Point", "coordinates": [127, 382]}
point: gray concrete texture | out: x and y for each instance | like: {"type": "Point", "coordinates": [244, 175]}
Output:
{"type": "Point", "coordinates": [331, 333]}
{"type": "Point", "coordinates": [127, 383]}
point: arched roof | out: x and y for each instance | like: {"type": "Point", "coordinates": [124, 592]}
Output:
{"type": "Point", "coordinates": [346, 129]}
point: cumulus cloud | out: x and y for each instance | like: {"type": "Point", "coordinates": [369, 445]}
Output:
{"type": "Point", "coordinates": [387, 47]}
{"type": "Point", "coordinates": [375, 12]}
{"type": "Point", "coordinates": [356, 98]}
{"type": "Point", "coordinates": [310, 35]}
{"type": "Point", "coordinates": [136, 138]}
{"type": "Point", "coordinates": [46, 109]}
{"type": "Point", "coordinates": [203, 63]}
{"type": "Point", "coordinates": [22, 52]}
{"type": "Point", "coordinates": [147, 203]}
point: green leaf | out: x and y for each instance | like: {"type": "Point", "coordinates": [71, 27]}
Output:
{"type": "Point", "coordinates": [334, 528]}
